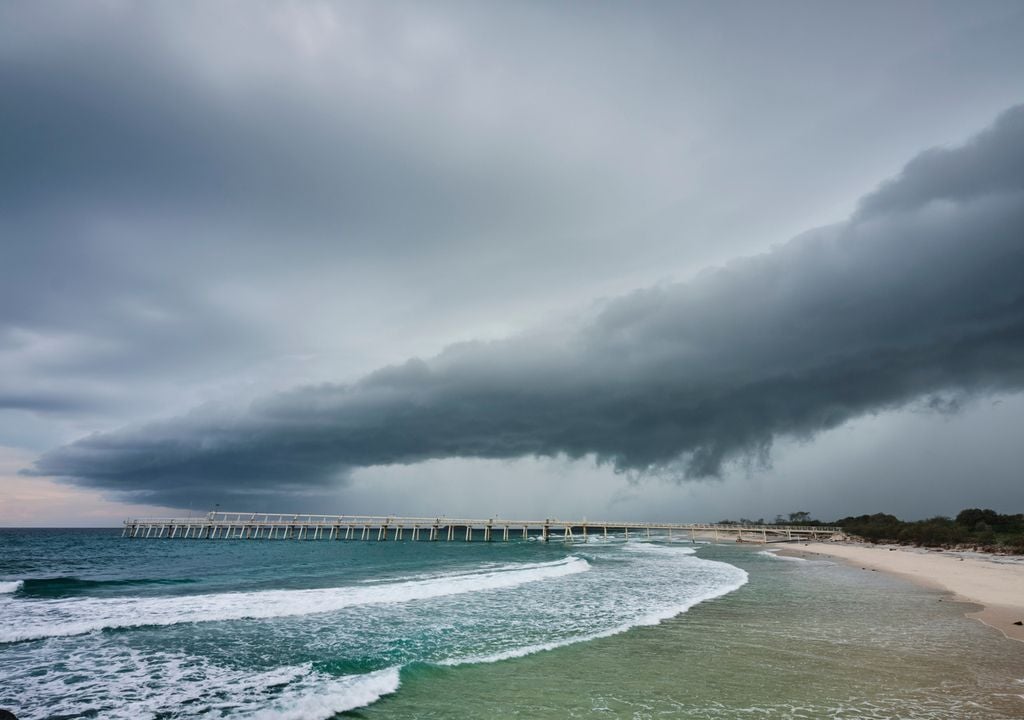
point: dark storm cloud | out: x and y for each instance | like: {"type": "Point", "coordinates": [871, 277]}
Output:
{"type": "Point", "coordinates": [919, 295]}
{"type": "Point", "coordinates": [989, 165]}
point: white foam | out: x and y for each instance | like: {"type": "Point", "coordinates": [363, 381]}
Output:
{"type": "Point", "coordinates": [788, 558]}
{"type": "Point", "coordinates": [482, 567]}
{"type": "Point", "coordinates": [10, 586]}
{"type": "Point", "coordinates": [646, 546]}
{"type": "Point", "coordinates": [326, 697]}
{"type": "Point", "coordinates": [729, 578]}
{"type": "Point", "coordinates": [127, 684]}
{"type": "Point", "coordinates": [35, 619]}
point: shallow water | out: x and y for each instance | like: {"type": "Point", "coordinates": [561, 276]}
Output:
{"type": "Point", "coordinates": [95, 626]}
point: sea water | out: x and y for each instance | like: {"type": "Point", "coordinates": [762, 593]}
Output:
{"type": "Point", "coordinates": [93, 625]}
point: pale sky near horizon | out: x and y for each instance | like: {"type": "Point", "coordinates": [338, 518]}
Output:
{"type": "Point", "coordinates": [671, 260]}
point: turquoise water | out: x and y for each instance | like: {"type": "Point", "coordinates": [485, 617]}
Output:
{"type": "Point", "coordinates": [92, 625]}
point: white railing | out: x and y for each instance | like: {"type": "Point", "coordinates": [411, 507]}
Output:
{"type": "Point", "coordinates": [286, 519]}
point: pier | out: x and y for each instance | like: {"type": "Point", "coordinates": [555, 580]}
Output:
{"type": "Point", "coordinates": [380, 528]}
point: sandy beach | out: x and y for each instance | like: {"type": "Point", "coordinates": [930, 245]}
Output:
{"type": "Point", "coordinates": [995, 582]}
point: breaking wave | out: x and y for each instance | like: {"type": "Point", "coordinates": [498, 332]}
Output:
{"type": "Point", "coordinates": [10, 586]}
{"type": "Point", "coordinates": [32, 620]}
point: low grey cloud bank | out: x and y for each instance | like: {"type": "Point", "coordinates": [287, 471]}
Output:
{"type": "Point", "coordinates": [919, 295]}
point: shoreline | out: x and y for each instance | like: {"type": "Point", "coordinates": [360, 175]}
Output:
{"type": "Point", "coordinates": [998, 587]}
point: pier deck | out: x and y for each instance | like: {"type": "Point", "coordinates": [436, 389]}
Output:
{"type": "Point", "coordinates": [267, 526]}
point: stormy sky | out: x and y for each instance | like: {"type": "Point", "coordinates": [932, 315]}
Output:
{"type": "Point", "coordinates": [670, 261]}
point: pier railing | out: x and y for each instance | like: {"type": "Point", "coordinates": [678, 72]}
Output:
{"type": "Point", "coordinates": [284, 526]}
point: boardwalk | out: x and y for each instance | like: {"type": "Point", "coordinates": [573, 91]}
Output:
{"type": "Point", "coordinates": [264, 526]}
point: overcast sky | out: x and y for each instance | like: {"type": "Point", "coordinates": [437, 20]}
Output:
{"type": "Point", "coordinates": [675, 260]}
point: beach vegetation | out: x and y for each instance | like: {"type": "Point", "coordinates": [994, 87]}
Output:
{"type": "Point", "coordinates": [974, 527]}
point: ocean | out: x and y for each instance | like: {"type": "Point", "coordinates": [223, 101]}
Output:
{"type": "Point", "coordinates": [96, 626]}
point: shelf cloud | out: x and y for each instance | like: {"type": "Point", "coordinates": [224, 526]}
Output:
{"type": "Point", "coordinates": [917, 297]}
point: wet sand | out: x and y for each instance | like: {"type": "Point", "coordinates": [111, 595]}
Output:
{"type": "Point", "coordinates": [994, 582]}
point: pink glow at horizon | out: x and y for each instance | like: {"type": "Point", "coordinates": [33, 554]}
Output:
{"type": "Point", "coordinates": [42, 502]}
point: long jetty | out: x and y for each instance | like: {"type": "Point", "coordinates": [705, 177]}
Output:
{"type": "Point", "coordinates": [266, 526]}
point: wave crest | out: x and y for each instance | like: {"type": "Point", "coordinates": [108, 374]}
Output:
{"type": "Point", "coordinates": [36, 619]}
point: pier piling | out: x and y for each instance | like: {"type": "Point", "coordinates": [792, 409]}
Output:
{"type": "Point", "coordinates": [265, 526]}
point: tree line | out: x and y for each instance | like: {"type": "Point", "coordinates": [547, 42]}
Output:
{"type": "Point", "coordinates": [974, 527]}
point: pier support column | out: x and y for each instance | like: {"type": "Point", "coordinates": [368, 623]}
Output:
{"type": "Point", "coordinates": [544, 532]}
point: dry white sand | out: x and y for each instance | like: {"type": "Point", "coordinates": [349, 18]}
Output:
{"type": "Point", "coordinates": [992, 581]}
